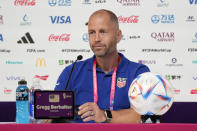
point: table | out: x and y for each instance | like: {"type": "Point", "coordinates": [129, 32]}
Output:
{"type": "Point", "coordinates": [98, 127]}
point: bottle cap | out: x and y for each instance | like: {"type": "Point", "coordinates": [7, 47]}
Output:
{"type": "Point", "coordinates": [22, 82]}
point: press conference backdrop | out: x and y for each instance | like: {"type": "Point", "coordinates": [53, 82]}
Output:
{"type": "Point", "coordinates": [39, 38]}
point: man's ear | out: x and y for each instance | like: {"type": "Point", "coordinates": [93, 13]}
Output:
{"type": "Point", "coordinates": [119, 35]}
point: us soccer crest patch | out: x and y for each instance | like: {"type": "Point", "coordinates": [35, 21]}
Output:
{"type": "Point", "coordinates": [121, 82]}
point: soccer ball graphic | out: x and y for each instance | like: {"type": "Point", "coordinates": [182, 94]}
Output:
{"type": "Point", "coordinates": [150, 94]}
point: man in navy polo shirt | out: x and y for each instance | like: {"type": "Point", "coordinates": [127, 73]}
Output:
{"type": "Point", "coordinates": [101, 83]}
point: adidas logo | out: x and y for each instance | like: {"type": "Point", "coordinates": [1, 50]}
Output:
{"type": "Point", "coordinates": [26, 39]}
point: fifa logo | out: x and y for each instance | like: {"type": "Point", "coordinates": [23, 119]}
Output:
{"type": "Point", "coordinates": [41, 62]}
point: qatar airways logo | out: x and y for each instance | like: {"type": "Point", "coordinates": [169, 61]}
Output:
{"type": "Point", "coordinates": [163, 36]}
{"type": "Point", "coordinates": [59, 38]}
{"type": "Point", "coordinates": [129, 2]}
{"type": "Point", "coordinates": [130, 19]}
{"type": "Point", "coordinates": [24, 3]}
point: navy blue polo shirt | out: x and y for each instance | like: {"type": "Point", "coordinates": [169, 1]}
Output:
{"type": "Point", "coordinates": [81, 82]}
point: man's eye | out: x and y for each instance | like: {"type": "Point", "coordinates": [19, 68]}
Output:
{"type": "Point", "coordinates": [90, 33]}
{"type": "Point", "coordinates": [102, 32]}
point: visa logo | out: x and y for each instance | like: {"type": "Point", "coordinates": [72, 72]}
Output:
{"type": "Point", "coordinates": [13, 78]}
{"type": "Point", "coordinates": [193, 2]}
{"type": "Point", "coordinates": [60, 19]}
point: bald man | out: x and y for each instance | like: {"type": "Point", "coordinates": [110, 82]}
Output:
{"type": "Point", "coordinates": [101, 83]}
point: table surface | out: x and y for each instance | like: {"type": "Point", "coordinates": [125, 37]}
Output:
{"type": "Point", "coordinates": [98, 127]}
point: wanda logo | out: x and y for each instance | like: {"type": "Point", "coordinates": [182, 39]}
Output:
{"type": "Point", "coordinates": [25, 2]}
{"type": "Point", "coordinates": [62, 37]}
{"type": "Point", "coordinates": [130, 19]}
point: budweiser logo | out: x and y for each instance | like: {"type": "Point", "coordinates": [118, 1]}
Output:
{"type": "Point", "coordinates": [41, 77]}
{"type": "Point", "coordinates": [131, 19]}
{"type": "Point", "coordinates": [62, 37]}
{"type": "Point", "coordinates": [25, 2]}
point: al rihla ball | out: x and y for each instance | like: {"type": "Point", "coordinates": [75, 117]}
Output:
{"type": "Point", "coordinates": [150, 94]}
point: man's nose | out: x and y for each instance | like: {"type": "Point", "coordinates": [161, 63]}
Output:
{"type": "Point", "coordinates": [97, 37]}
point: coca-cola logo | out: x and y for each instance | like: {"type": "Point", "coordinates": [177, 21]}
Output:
{"type": "Point", "coordinates": [62, 37]}
{"type": "Point", "coordinates": [130, 19]}
{"type": "Point", "coordinates": [25, 2]}
{"type": "Point", "coordinates": [7, 91]}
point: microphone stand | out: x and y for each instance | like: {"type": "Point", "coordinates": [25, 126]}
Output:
{"type": "Point", "coordinates": [65, 120]}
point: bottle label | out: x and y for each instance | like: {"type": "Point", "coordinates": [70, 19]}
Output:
{"type": "Point", "coordinates": [22, 95]}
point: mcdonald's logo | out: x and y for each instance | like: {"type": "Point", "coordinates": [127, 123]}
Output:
{"type": "Point", "coordinates": [40, 62]}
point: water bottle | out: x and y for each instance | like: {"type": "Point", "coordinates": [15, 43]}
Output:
{"type": "Point", "coordinates": [22, 103]}
{"type": "Point", "coordinates": [35, 86]}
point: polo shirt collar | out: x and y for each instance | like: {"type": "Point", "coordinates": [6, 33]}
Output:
{"type": "Point", "coordinates": [122, 67]}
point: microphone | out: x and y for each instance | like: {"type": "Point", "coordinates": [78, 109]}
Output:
{"type": "Point", "coordinates": [79, 57]}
